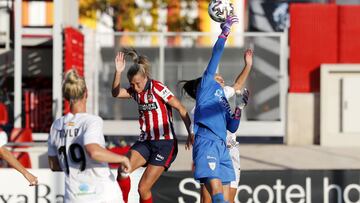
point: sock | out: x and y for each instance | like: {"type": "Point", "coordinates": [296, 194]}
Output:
{"type": "Point", "coordinates": [125, 185]}
{"type": "Point", "coordinates": [146, 201]}
{"type": "Point", "coordinates": [218, 198]}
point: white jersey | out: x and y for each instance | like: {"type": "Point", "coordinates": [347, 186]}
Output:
{"type": "Point", "coordinates": [86, 180]}
{"type": "Point", "coordinates": [231, 137]}
{"type": "Point", "coordinates": [3, 138]}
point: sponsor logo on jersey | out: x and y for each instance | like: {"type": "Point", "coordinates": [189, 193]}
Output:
{"type": "Point", "coordinates": [83, 187]}
{"type": "Point", "coordinates": [148, 106]}
{"type": "Point", "coordinates": [222, 99]}
{"type": "Point", "coordinates": [212, 165]}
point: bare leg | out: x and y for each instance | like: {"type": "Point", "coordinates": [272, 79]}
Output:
{"type": "Point", "coordinates": [205, 195]}
{"type": "Point", "coordinates": [226, 189]}
{"type": "Point", "coordinates": [232, 194]}
{"type": "Point", "coordinates": [150, 176]}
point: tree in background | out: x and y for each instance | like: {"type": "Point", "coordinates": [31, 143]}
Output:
{"type": "Point", "coordinates": [128, 15]}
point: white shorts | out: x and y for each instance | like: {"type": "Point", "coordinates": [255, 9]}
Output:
{"type": "Point", "coordinates": [235, 158]}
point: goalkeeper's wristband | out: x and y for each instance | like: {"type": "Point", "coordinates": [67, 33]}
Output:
{"type": "Point", "coordinates": [237, 113]}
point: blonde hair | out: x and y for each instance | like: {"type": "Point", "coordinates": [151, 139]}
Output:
{"type": "Point", "coordinates": [74, 86]}
{"type": "Point", "coordinates": [141, 64]}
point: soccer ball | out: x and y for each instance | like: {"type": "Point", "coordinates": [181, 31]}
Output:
{"type": "Point", "coordinates": [219, 10]}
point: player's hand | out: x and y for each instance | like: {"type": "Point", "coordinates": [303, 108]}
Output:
{"type": "Point", "coordinates": [226, 26]}
{"type": "Point", "coordinates": [125, 165]}
{"type": "Point", "coordinates": [248, 57]}
{"type": "Point", "coordinates": [189, 141]}
{"type": "Point", "coordinates": [31, 178]}
{"type": "Point", "coordinates": [120, 62]}
{"type": "Point", "coordinates": [242, 98]}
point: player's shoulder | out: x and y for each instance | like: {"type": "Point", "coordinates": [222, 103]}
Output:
{"type": "Point", "coordinates": [58, 123]}
{"type": "Point", "coordinates": [157, 85]}
{"type": "Point", "coordinates": [93, 118]}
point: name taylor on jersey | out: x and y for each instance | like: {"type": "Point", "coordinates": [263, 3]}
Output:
{"type": "Point", "coordinates": [69, 132]}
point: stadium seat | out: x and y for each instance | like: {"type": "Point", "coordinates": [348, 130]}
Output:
{"type": "Point", "coordinates": [23, 158]}
{"type": "Point", "coordinates": [20, 135]}
{"type": "Point", "coordinates": [4, 117]}
{"type": "Point", "coordinates": [118, 150]}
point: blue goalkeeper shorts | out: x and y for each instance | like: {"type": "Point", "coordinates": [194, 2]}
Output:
{"type": "Point", "coordinates": [211, 158]}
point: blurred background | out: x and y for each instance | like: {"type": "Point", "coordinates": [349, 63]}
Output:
{"type": "Point", "coordinates": [300, 130]}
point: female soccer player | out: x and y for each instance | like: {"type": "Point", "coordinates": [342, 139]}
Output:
{"type": "Point", "coordinates": [231, 143]}
{"type": "Point", "coordinates": [213, 117]}
{"type": "Point", "coordinates": [13, 162]}
{"type": "Point", "coordinates": [157, 146]}
{"type": "Point", "coordinates": [76, 145]}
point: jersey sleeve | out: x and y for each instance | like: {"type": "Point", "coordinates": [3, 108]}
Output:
{"type": "Point", "coordinates": [94, 132]}
{"type": "Point", "coordinates": [232, 124]}
{"type": "Point", "coordinates": [3, 138]}
{"type": "Point", "coordinates": [163, 91]}
{"type": "Point", "coordinates": [52, 150]}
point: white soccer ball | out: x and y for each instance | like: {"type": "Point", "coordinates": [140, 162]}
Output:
{"type": "Point", "coordinates": [219, 10]}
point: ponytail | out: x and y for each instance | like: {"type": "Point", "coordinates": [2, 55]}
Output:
{"type": "Point", "coordinates": [141, 64]}
{"type": "Point", "coordinates": [190, 86]}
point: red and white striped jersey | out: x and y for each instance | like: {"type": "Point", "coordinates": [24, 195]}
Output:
{"type": "Point", "coordinates": [155, 114]}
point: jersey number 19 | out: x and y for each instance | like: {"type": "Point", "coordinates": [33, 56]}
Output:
{"type": "Point", "coordinates": [77, 155]}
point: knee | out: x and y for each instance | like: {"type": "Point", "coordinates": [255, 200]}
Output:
{"type": "Point", "coordinates": [143, 189]}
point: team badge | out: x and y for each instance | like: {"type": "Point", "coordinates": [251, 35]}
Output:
{"type": "Point", "coordinates": [212, 165]}
{"type": "Point", "coordinates": [149, 96]}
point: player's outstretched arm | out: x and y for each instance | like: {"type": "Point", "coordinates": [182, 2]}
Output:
{"type": "Point", "coordinates": [100, 154]}
{"type": "Point", "coordinates": [13, 162]}
{"type": "Point", "coordinates": [241, 78]}
{"type": "Point", "coordinates": [117, 91]}
{"type": "Point", "coordinates": [218, 48]}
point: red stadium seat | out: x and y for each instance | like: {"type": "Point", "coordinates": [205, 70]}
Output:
{"type": "Point", "coordinates": [23, 158]}
{"type": "Point", "coordinates": [118, 150]}
{"type": "Point", "coordinates": [19, 135]}
{"type": "Point", "coordinates": [4, 117]}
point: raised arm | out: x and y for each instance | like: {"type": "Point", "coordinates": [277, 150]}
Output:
{"type": "Point", "coordinates": [241, 78]}
{"type": "Point", "coordinates": [218, 48]}
{"type": "Point", "coordinates": [117, 91]}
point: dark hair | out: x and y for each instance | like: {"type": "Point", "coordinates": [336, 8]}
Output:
{"type": "Point", "coordinates": [190, 86]}
{"type": "Point", "coordinates": [141, 63]}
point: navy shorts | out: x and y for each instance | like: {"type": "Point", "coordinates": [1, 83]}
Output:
{"type": "Point", "coordinates": [157, 152]}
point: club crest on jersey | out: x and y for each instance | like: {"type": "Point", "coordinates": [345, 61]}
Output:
{"type": "Point", "coordinates": [212, 165]}
{"type": "Point", "coordinates": [218, 93]}
{"type": "Point", "coordinates": [148, 106]}
{"type": "Point", "coordinates": [150, 97]}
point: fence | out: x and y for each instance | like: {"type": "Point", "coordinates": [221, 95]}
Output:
{"type": "Point", "coordinates": [183, 56]}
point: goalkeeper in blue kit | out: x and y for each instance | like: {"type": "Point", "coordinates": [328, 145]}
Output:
{"type": "Point", "coordinates": [212, 119]}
